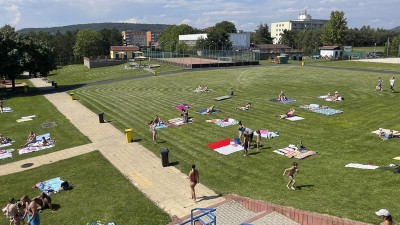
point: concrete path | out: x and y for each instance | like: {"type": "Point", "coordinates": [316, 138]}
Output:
{"type": "Point", "coordinates": [167, 187]}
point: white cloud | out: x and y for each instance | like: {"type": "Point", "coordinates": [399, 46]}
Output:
{"type": "Point", "coordinates": [227, 12]}
{"type": "Point", "coordinates": [131, 20]}
{"type": "Point", "coordinates": [12, 15]}
{"type": "Point", "coordinates": [185, 21]}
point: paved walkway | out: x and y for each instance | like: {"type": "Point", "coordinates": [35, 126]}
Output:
{"type": "Point", "coordinates": [167, 187]}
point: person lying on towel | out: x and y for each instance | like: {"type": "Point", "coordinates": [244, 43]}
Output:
{"type": "Point", "coordinates": [246, 107]}
{"type": "Point", "coordinates": [288, 114]}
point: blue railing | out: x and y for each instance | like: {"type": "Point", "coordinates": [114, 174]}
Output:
{"type": "Point", "coordinates": [205, 213]}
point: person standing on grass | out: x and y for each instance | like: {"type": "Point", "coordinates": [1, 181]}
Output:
{"type": "Point", "coordinates": [31, 211]}
{"type": "Point", "coordinates": [379, 86]}
{"type": "Point", "coordinates": [153, 130]}
{"type": "Point", "coordinates": [193, 180]}
{"type": "Point", "coordinates": [385, 216]}
{"type": "Point", "coordinates": [258, 141]}
{"type": "Point", "coordinates": [1, 106]}
{"type": "Point", "coordinates": [391, 82]}
{"type": "Point", "coordinates": [292, 170]}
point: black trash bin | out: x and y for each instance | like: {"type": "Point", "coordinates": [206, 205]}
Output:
{"type": "Point", "coordinates": [55, 85]}
{"type": "Point", "coordinates": [164, 157]}
{"type": "Point", "coordinates": [299, 58]}
{"type": "Point", "coordinates": [52, 83]}
{"type": "Point", "coordinates": [294, 57]}
{"type": "Point", "coordinates": [101, 117]}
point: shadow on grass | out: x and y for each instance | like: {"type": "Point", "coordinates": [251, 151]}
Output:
{"type": "Point", "coordinates": [254, 153]}
{"type": "Point", "coordinates": [205, 198]}
{"type": "Point", "coordinates": [56, 207]}
{"type": "Point", "coordinates": [137, 140]}
{"type": "Point", "coordinates": [175, 163]}
{"type": "Point", "coordinates": [304, 186]}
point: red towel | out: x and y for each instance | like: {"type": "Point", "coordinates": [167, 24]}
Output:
{"type": "Point", "coordinates": [219, 144]}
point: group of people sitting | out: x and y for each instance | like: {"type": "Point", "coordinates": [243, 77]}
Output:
{"type": "Point", "coordinates": [16, 211]}
{"type": "Point", "coordinates": [202, 89]}
{"type": "Point", "coordinates": [31, 139]}
{"type": "Point", "coordinates": [387, 135]}
{"type": "Point", "coordinates": [4, 140]}
{"type": "Point", "coordinates": [335, 97]}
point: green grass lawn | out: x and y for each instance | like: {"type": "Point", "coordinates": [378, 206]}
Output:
{"type": "Point", "coordinates": [353, 64]}
{"type": "Point", "coordinates": [80, 74]}
{"type": "Point", "coordinates": [369, 49]}
{"type": "Point", "coordinates": [65, 134]}
{"type": "Point", "coordinates": [326, 185]}
{"type": "Point", "coordinates": [100, 192]}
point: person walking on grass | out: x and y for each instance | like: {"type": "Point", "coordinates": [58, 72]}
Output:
{"type": "Point", "coordinates": [1, 106]}
{"type": "Point", "coordinates": [292, 170]}
{"type": "Point", "coordinates": [193, 181]}
{"type": "Point", "coordinates": [258, 140]}
{"type": "Point", "coordinates": [391, 82]}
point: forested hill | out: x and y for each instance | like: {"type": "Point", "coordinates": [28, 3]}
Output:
{"type": "Point", "coordinates": [397, 29]}
{"type": "Point", "coordinates": [100, 26]}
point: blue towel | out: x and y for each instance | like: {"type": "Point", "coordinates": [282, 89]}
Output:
{"type": "Point", "coordinates": [39, 137]}
{"type": "Point", "coordinates": [327, 112]}
{"type": "Point", "coordinates": [51, 185]}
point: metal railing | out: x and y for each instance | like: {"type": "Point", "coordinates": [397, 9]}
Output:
{"type": "Point", "coordinates": [205, 213]}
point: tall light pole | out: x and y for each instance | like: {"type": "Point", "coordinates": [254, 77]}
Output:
{"type": "Point", "coordinates": [375, 48]}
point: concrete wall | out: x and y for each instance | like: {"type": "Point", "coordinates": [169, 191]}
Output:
{"type": "Point", "coordinates": [90, 63]}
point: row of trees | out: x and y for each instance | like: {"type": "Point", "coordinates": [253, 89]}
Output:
{"type": "Point", "coordinates": [21, 53]}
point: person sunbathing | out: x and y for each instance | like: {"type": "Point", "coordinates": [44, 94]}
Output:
{"type": "Point", "coordinates": [246, 107]}
{"type": "Point", "coordinates": [210, 110]}
{"type": "Point", "coordinates": [44, 142]}
{"type": "Point", "coordinates": [206, 88]}
{"type": "Point", "coordinates": [336, 97]}
{"type": "Point", "coordinates": [199, 88]}
{"type": "Point", "coordinates": [291, 113]}
{"type": "Point", "coordinates": [281, 96]}
{"type": "Point", "coordinates": [157, 121]}
{"type": "Point", "coordinates": [31, 138]}
{"type": "Point", "coordinates": [44, 202]}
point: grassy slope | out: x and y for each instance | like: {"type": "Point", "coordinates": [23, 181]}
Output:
{"type": "Point", "coordinates": [353, 64]}
{"type": "Point", "coordinates": [80, 74]}
{"type": "Point", "coordinates": [328, 187]}
{"type": "Point", "coordinates": [104, 195]}
{"type": "Point", "coordinates": [65, 134]}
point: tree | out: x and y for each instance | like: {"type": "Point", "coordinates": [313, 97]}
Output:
{"type": "Point", "coordinates": [87, 43]}
{"type": "Point", "coordinates": [288, 38]}
{"type": "Point", "coordinates": [262, 35]}
{"type": "Point", "coordinates": [109, 38]}
{"type": "Point", "coordinates": [333, 32]}
{"type": "Point", "coordinates": [11, 54]}
{"type": "Point", "coordinates": [169, 39]}
{"type": "Point", "coordinates": [226, 26]}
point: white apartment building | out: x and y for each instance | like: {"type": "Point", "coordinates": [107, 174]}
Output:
{"type": "Point", "coordinates": [303, 22]}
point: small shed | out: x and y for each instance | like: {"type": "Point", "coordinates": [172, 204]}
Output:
{"type": "Point", "coordinates": [329, 51]}
{"type": "Point", "coordinates": [123, 52]}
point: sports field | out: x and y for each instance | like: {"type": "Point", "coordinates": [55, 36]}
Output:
{"type": "Point", "coordinates": [324, 184]}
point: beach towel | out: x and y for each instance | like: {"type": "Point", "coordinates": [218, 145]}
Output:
{"type": "Point", "coordinates": [397, 158]}
{"type": "Point", "coordinates": [287, 101]}
{"type": "Point", "coordinates": [162, 125]}
{"type": "Point", "coordinates": [225, 147]}
{"type": "Point", "coordinates": [204, 111]}
{"type": "Point", "coordinates": [222, 98]}
{"type": "Point", "coordinates": [267, 134]}
{"type": "Point", "coordinates": [361, 166]}
{"type": "Point", "coordinates": [6, 142]}
{"type": "Point", "coordinates": [179, 121]}
{"type": "Point", "coordinates": [327, 112]}
{"type": "Point", "coordinates": [294, 118]}
{"type": "Point", "coordinates": [35, 147]}
{"type": "Point", "coordinates": [23, 120]}
{"type": "Point", "coordinates": [182, 106]}
{"type": "Point", "coordinates": [219, 144]}
{"type": "Point", "coordinates": [7, 109]}
{"type": "Point", "coordinates": [229, 149]}
{"type": "Point", "coordinates": [50, 186]}
{"type": "Point", "coordinates": [46, 136]}
{"type": "Point", "coordinates": [7, 153]}
{"type": "Point", "coordinates": [226, 122]}
{"type": "Point", "coordinates": [294, 152]}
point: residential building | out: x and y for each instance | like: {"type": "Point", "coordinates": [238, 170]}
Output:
{"type": "Point", "coordinates": [303, 22]}
{"type": "Point", "coordinates": [138, 38]}
{"type": "Point", "coordinates": [152, 37]}
{"type": "Point", "coordinates": [240, 40]}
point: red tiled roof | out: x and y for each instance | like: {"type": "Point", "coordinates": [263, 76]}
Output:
{"type": "Point", "coordinates": [329, 48]}
{"type": "Point", "coordinates": [124, 48]}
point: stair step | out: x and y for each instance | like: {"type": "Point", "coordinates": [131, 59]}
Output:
{"type": "Point", "coordinates": [274, 218]}
{"type": "Point", "coordinates": [232, 213]}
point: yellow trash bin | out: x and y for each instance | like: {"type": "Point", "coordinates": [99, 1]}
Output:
{"type": "Point", "coordinates": [155, 72]}
{"type": "Point", "coordinates": [72, 96]}
{"type": "Point", "coordinates": [302, 63]}
{"type": "Point", "coordinates": [129, 135]}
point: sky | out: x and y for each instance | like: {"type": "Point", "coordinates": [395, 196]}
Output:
{"type": "Point", "coordinates": [245, 14]}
